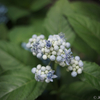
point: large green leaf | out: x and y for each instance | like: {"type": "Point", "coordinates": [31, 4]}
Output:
{"type": "Point", "coordinates": [87, 29]}
{"type": "Point", "coordinates": [37, 5]}
{"type": "Point", "coordinates": [3, 31]}
{"type": "Point", "coordinates": [15, 13]}
{"type": "Point", "coordinates": [91, 74]}
{"type": "Point", "coordinates": [88, 9]}
{"type": "Point", "coordinates": [16, 80]}
{"type": "Point", "coordinates": [80, 45]}
{"type": "Point", "coordinates": [21, 34]}
{"type": "Point", "coordinates": [11, 52]}
{"type": "Point", "coordinates": [37, 23]}
{"type": "Point", "coordinates": [79, 91]}
{"type": "Point", "coordinates": [55, 22]}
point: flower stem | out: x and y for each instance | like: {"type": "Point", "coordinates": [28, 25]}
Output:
{"type": "Point", "coordinates": [49, 63]}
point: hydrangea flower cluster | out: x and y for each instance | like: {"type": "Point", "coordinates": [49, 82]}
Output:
{"type": "Point", "coordinates": [3, 11]}
{"type": "Point", "coordinates": [56, 49]}
{"type": "Point", "coordinates": [76, 66]}
{"type": "Point", "coordinates": [43, 73]}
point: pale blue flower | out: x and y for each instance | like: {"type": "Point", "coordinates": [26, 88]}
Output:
{"type": "Point", "coordinates": [35, 47]}
{"type": "Point", "coordinates": [73, 74]}
{"type": "Point", "coordinates": [62, 36]}
{"type": "Point", "coordinates": [67, 57]}
{"type": "Point", "coordinates": [48, 44]}
{"type": "Point", "coordinates": [50, 76]}
{"type": "Point", "coordinates": [38, 76]}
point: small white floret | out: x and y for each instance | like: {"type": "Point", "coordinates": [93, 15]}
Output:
{"type": "Point", "coordinates": [62, 64]}
{"type": "Point", "coordinates": [28, 45]}
{"type": "Point", "coordinates": [34, 53]}
{"type": "Point", "coordinates": [52, 57]}
{"type": "Point", "coordinates": [44, 57]}
{"type": "Point", "coordinates": [42, 36]}
{"type": "Point", "coordinates": [30, 40]}
{"type": "Point", "coordinates": [64, 44]}
{"type": "Point", "coordinates": [62, 47]}
{"type": "Point", "coordinates": [33, 70]}
{"type": "Point", "coordinates": [48, 67]}
{"type": "Point", "coordinates": [58, 53]}
{"type": "Point", "coordinates": [67, 44]}
{"type": "Point", "coordinates": [47, 81]}
{"type": "Point", "coordinates": [51, 49]}
{"type": "Point", "coordinates": [43, 68]}
{"type": "Point", "coordinates": [73, 65]}
{"type": "Point", "coordinates": [39, 66]}
{"type": "Point", "coordinates": [70, 68]}
{"type": "Point", "coordinates": [43, 50]}
{"type": "Point", "coordinates": [42, 73]}
{"type": "Point", "coordinates": [54, 53]}
{"type": "Point", "coordinates": [46, 71]}
{"type": "Point", "coordinates": [42, 44]}
{"type": "Point", "coordinates": [77, 58]}
{"type": "Point", "coordinates": [34, 36]}
{"type": "Point", "coordinates": [60, 50]}
{"type": "Point", "coordinates": [79, 71]}
{"type": "Point", "coordinates": [77, 67]}
{"type": "Point", "coordinates": [59, 58]}
{"type": "Point", "coordinates": [76, 62]}
{"type": "Point", "coordinates": [39, 55]}
{"type": "Point", "coordinates": [80, 63]}
{"type": "Point", "coordinates": [73, 74]}
{"type": "Point", "coordinates": [59, 42]}
{"type": "Point", "coordinates": [74, 69]}
{"type": "Point", "coordinates": [47, 50]}
{"type": "Point", "coordinates": [43, 76]}
{"type": "Point", "coordinates": [56, 48]}
{"type": "Point", "coordinates": [72, 61]}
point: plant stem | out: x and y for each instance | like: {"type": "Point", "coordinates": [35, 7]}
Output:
{"type": "Point", "coordinates": [49, 63]}
{"type": "Point", "coordinates": [56, 82]}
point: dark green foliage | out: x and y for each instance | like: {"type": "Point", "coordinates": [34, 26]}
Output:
{"type": "Point", "coordinates": [55, 22]}
{"type": "Point", "coordinates": [16, 80]}
{"type": "Point", "coordinates": [80, 21]}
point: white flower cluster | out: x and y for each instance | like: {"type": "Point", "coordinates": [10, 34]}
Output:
{"type": "Point", "coordinates": [43, 73]}
{"type": "Point", "coordinates": [55, 48]}
{"type": "Point", "coordinates": [76, 66]}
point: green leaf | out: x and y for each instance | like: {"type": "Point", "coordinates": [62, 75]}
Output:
{"type": "Point", "coordinates": [16, 80]}
{"type": "Point", "coordinates": [87, 29]}
{"type": "Point", "coordinates": [37, 23]}
{"type": "Point", "coordinates": [21, 34]}
{"type": "Point", "coordinates": [55, 22]}
{"type": "Point", "coordinates": [79, 91]}
{"type": "Point", "coordinates": [15, 13]}
{"type": "Point", "coordinates": [19, 84]}
{"type": "Point", "coordinates": [80, 45]}
{"type": "Point", "coordinates": [66, 77]}
{"type": "Point", "coordinates": [37, 5]}
{"type": "Point", "coordinates": [88, 9]}
{"type": "Point", "coordinates": [3, 32]}
{"type": "Point", "coordinates": [11, 53]}
{"type": "Point", "coordinates": [91, 74]}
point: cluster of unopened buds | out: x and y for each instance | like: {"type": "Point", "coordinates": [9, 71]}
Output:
{"type": "Point", "coordinates": [57, 50]}
{"type": "Point", "coordinates": [44, 73]}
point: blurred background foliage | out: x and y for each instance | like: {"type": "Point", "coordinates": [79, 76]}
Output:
{"type": "Point", "coordinates": [20, 19]}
